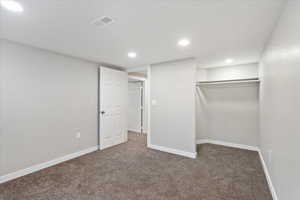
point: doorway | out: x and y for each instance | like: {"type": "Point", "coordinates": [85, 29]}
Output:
{"type": "Point", "coordinates": [112, 107]}
{"type": "Point", "coordinates": [137, 102]}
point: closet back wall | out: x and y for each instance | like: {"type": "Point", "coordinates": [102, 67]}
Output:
{"type": "Point", "coordinates": [228, 113]}
{"type": "Point", "coordinates": [232, 72]}
{"type": "Point", "coordinates": [46, 98]}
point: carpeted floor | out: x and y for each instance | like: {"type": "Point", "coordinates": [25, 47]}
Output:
{"type": "Point", "coordinates": [131, 171]}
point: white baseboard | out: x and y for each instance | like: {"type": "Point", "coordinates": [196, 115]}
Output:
{"type": "Point", "coordinates": [173, 151]}
{"type": "Point", "coordinates": [271, 186]}
{"type": "Point", "coordinates": [44, 165]}
{"type": "Point", "coordinates": [134, 130]}
{"type": "Point", "coordinates": [228, 144]}
{"type": "Point", "coordinates": [137, 131]}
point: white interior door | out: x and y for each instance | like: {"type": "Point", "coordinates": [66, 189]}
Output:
{"type": "Point", "coordinates": [113, 107]}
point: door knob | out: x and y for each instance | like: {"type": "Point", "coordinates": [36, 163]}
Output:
{"type": "Point", "coordinates": [102, 112]}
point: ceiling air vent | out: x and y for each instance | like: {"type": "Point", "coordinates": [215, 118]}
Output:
{"type": "Point", "coordinates": [102, 21]}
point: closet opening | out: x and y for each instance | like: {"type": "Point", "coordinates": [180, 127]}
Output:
{"type": "Point", "coordinates": [227, 106]}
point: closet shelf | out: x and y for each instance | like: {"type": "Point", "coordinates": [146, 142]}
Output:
{"type": "Point", "coordinates": [233, 81]}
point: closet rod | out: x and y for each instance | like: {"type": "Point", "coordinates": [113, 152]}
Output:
{"type": "Point", "coordinates": [247, 80]}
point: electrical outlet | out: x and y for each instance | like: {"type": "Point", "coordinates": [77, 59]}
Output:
{"type": "Point", "coordinates": [78, 135]}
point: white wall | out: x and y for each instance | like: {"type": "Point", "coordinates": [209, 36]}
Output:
{"type": "Point", "coordinates": [228, 73]}
{"type": "Point", "coordinates": [173, 117]}
{"type": "Point", "coordinates": [201, 74]}
{"type": "Point", "coordinates": [1, 108]}
{"type": "Point", "coordinates": [46, 99]}
{"type": "Point", "coordinates": [228, 113]}
{"type": "Point", "coordinates": [280, 104]}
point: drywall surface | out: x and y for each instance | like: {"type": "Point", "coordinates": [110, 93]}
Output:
{"type": "Point", "coordinates": [46, 99]}
{"type": "Point", "coordinates": [280, 104]}
{"type": "Point", "coordinates": [228, 73]}
{"type": "Point", "coordinates": [228, 113]}
{"type": "Point", "coordinates": [201, 74]}
{"type": "Point", "coordinates": [173, 105]}
{"type": "Point", "coordinates": [202, 124]}
{"type": "Point", "coordinates": [1, 108]}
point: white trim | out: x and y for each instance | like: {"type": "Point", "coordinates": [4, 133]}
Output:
{"type": "Point", "coordinates": [173, 151]}
{"type": "Point", "coordinates": [44, 165]}
{"type": "Point", "coordinates": [269, 180]}
{"type": "Point", "coordinates": [135, 131]}
{"type": "Point", "coordinates": [228, 144]}
{"type": "Point", "coordinates": [148, 89]}
{"type": "Point", "coordinates": [137, 78]}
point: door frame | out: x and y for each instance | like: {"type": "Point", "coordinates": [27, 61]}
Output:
{"type": "Point", "coordinates": [147, 84]}
{"type": "Point", "coordinates": [145, 108]}
{"type": "Point", "coordinates": [99, 103]}
{"type": "Point", "coordinates": [98, 107]}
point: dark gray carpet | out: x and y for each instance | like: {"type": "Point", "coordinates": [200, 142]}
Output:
{"type": "Point", "coordinates": [131, 171]}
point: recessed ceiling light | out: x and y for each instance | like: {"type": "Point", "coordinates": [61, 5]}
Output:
{"type": "Point", "coordinates": [131, 54]}
{"type": "Point", "coordinates": [11, 5]}
{"type": "Point", "coordinates": [183, 42]}
{"type": "Point", "coordinates": [229, 60]}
